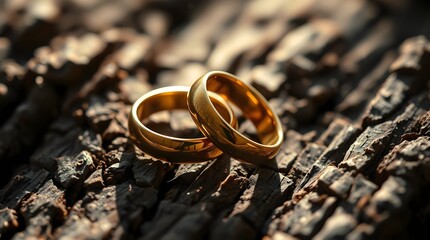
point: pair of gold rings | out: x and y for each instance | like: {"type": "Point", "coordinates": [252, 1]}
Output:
{"type": "Point", "coordinates": [208, 103]}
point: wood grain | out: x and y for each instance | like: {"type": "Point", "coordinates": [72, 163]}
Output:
{"type": "Point", "coordinates": [349, 81]}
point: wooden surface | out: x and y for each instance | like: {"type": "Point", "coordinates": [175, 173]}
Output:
{"type": "Point", "coordinates": [349, 80]}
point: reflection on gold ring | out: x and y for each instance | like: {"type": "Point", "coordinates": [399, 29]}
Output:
{"type": "Point", "coordinates": [168, 148]}
{"type": "Point", "coordinates": [254, 107]}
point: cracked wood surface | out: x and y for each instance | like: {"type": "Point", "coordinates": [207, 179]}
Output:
{"type": "Point", "coordinates": [349, 81]}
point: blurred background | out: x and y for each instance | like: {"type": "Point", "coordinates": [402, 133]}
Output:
{"type": "Point", "coordinates": [314, 53]}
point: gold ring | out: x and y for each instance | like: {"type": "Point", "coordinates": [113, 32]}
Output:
{"type": "Point", "coordinates": [254, 107]}
{"type": "Point", "coordinates": [173, 149]}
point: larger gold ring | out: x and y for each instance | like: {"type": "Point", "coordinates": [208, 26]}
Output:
{"type": "Point", "coordinates": [254, 107]}
{"type": "Point", "coordinates": [173, 149]}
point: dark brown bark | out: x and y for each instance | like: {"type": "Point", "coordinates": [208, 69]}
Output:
{"type": "Point", "coordinates": [349, 81]}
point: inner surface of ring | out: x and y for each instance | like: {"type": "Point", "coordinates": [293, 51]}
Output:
{"type": "Point", "coordinates": [240, 95]}
{"type": "Point", "coordinates": [175, 100]}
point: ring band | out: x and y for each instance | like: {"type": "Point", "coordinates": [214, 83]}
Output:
{"type": "Point", "coordinates": [254, 107]}
{"type": "Point", "coordinates": [173, 149]}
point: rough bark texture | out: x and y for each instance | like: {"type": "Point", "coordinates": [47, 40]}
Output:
{"type": "Point", "coordinates": [349, 80]}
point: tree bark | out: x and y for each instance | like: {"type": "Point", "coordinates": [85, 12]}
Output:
{"type": "Point", "coordinates": [349, 81]}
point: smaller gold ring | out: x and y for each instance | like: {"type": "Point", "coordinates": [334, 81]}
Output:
{"type": "Point", "coordinates": [173, 149]}
{"type": "Point", "coordinates": [254, 107]}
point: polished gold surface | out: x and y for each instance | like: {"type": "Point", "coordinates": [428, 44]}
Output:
{"type": "Point", "coordinates": [173, 149]}
{"type": "Point", "coordinates": [254, 107]}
